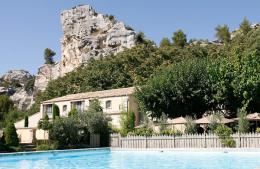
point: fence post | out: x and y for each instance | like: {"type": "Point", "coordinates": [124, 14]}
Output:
{"type": "Point", "coordinates": [146, 145]}
{"type": "Point", "coordinates": [173, 140]}
{"type": "Point", "coordinates": [205, 146]}
{"type": "Point", "coordinates": [239, 140]}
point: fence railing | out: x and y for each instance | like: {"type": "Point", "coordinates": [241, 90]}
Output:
{"type": "Point", "coordinates": [250, 140]}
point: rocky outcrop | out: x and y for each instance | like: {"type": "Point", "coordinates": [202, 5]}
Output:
{"type": "Point", "coordinates": [87, 35]}
{"type": "Point", "coordinates": [46, 73]}
{"type": "Point", "coordinates": [13, 83]}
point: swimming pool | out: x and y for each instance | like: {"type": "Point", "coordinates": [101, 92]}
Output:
{"type": "Point", "coordinates": [106, 159]}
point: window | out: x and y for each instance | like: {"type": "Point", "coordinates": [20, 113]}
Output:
{"type": "Point", "coordinates": [108, 104]}
{"type": "Point", "coordinates": [78, 105]}
{"type": "Point", "coordinates": [48, 109]}
{"type": "Point", "coordinates": [64, 108]}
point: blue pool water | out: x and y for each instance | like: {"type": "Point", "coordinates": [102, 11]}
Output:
{"type": "Point", "coordinates": [106, 159]}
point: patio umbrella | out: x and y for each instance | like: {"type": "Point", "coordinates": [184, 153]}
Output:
{"type": "Point", "coordinates": [253, 117]}
{"type": "Point", "coordinates": [178, 120]}
{"type": "Point", "coordinates": [210, 119]}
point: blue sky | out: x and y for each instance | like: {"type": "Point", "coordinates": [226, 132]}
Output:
{"type": "Point", "coordinates": [28, 27]}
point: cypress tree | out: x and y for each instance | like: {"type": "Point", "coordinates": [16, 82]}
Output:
{"type": "Point", "coordinates": [11, 137]}
{"type": "Point", "coordinates": [26, 121]}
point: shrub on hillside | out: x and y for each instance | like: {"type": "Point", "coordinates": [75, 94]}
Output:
{"type": "Point", "coordinates": [11, 137]}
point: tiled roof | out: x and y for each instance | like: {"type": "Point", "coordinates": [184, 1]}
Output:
{"type": "Point", "coordinates": [97, 94]}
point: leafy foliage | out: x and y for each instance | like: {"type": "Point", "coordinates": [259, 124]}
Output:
{"type": "Point", "coordinates": [127, 122]}
{"type": "Point", "coordinates": [10, 135]}
{"type": "Point", "coordinates": [179, 90]}
{"type": "Point", "coordinates": [243, 123]}
{"type": "Point", "coordinates": [224, 133]}
{"type": "Point", "coordinates": [48, 56]}
{"type": "Point", "coordinates": [190, 126]}
{"type": "Point", "coordinates": [179, 38]}
{"type": "Point", "coordinates": [223, 34]}
{"type": "Point", "coordinates": [55, 111]}
{"type": "Point", "coordinates": [165, 42]}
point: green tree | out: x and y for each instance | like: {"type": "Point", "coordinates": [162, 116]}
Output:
{"type": "Point", "coordinates": [178, 90]}
{"type": "Point", "coordinates": [5, 106]}
{"type": "Point", "coordinates": [44, 123]}
{"type": "Point", "coordinates": [190, 125]}
{"type": "Point", "coordinates": [73, 112]}
{"type": "Point", "coordinates": [10, 135]}
{"type": "Point", "coordinates": [222, 33]}
{"type": "Point", "coordinates": [26, 121]}
{"type": "Point", "coordinates": [55, 111]}
{"type": "Point", "coordinates": [127, 122]}
{"type": "Point", "coordinates": [165, 42]}
{"type": "Point", "coordinates": [65, 132]}
{"type": "Point", "coordinates": [243, 123]}
{"type": "Point", "coordinates": [163, 122]}
{"type": "Point", "coordinates": [179, 38]}
{"type": "Point", "coordinates": [245, 26]}
{"type": "Point", "coordinates": [48, 56]}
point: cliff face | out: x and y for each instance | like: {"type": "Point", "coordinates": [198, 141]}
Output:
{"type": "Point", "coordinates": [87, 34]}
{"type": "Point", "coordinates": [15, 84]}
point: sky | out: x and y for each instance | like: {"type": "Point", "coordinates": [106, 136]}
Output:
{"type": "Point", "coordinates": [27, 27]}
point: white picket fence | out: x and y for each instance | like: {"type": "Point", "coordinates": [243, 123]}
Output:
{"type": "Point", "coordinates": [250, 140]}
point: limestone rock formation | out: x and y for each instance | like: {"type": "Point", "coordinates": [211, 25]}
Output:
{"type": "Point", "coordinates": [13, 83]}
{"type": "Point", "coordinates": [87, 34]}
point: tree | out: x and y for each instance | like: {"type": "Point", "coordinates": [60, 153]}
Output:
{"type": "Point", "coordinates": [5, 106]}
{"type": "Point", "coordinates": [44, 123]}
{"type": "Point", "coordinates": [48, 56]}
{"type": "Point", "coordinates": [243, 123]}
{"type": "Point", "coordinates": [163, 122]}
{"type": "Point", "coordinates": [179, 38]}
{"type": "Point", "coordinates": [65, 132]}
{"type": "Point", "coordinates": [11, 137]}
{"type": "Point", "coordinates": [245, 26]}
{"type": "Point", "coordinates": [127, 122]}
{"type": "Point", "coordinates": [165, 42]}
{"type": "Point", "coordinates": [26, 121]}
{"type": "Point", "coordinates": [190, 125]}
{"type": "Point", "coordinates": [73, 112]}
{"type": "Point", "coordinates": [222, 33]}
{"type": "Point", "coordinates": [178, 90]}
{"type": "Point", "coordinates": [55, 111]}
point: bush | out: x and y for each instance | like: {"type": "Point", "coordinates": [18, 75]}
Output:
{"type": "Point", "coordinates": [11, 137]}
{"type": "Point", "coordinates": [243, 123]}
{"type": "Point", "coordinates": [65, 132]}
{"type": "Point", "coordinates": [170, 132]}
{"type": "Point", "coordinates": [47, 146]}
{"type": "Point", "coordinates": [191, 127]}
{"type": "Point", "coordinates": [258, 129]}
{"type": "Point", "coordinates": [127, 122]}
{"type": "Point", "coordinates": [73, 112]}
{"type": "Point", "coordinates": [224, 134]}
{"type": "Point", "coordinates": [142, 132]}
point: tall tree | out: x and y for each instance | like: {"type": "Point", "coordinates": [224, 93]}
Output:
{"type": "Point", "coordinates": [55, 111]}
{"type": "Point", "coordinates": [5, 106]}
{"type": "Point", "coordinates": [179, 38]}
{"type": "Point", "coordinates": [11, 137]}
{"type": "Point", "coordinates": [165, 42]}
{"type": "Point", "coordinates": [48, 56]}
{"type": "Point", "coordinates": [222, 33]}
{"type": "Point", "coordinates": [245, 26]}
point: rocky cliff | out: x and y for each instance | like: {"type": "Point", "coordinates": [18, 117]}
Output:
{"type": "Point", "coordinates": [87, 34]}
{"type": "Point", "coordinates": [15, 84]}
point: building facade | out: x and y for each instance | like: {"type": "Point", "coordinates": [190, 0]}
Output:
{"type": "Point", "coordinates": [113, 102]}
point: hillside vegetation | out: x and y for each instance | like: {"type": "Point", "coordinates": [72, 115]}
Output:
{"type": "Point", "coordinates": [177, 77]}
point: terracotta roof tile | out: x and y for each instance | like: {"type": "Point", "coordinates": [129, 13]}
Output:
{"type": "Point", "coordinates": [96, 94]}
